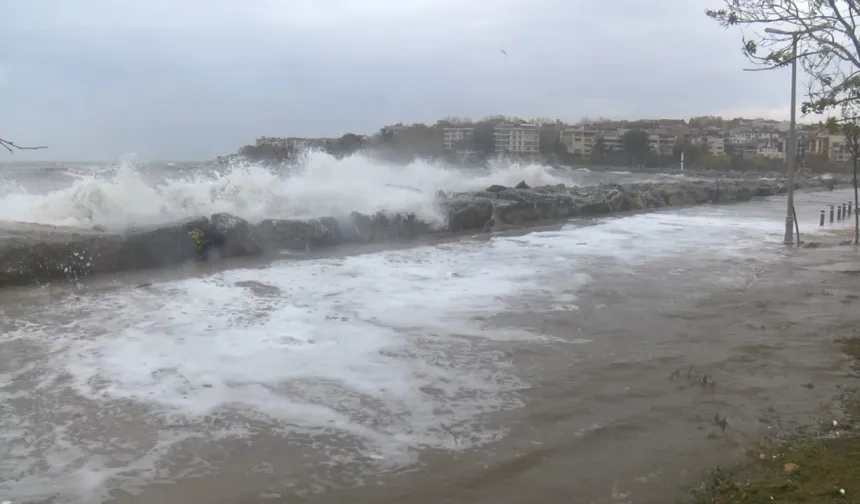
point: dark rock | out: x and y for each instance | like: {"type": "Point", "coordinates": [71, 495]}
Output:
{"type": "Point", "coordinates": [522, 185]}
{"type": "Point", "coordinates": [233, 237]}
{"type": "Point", "coordinates": [163, 245]}
{"type": "Point", "coordinates": [469, 215]}
{"type": "Point", "coordinates": [33, 254]}
{"type": "Point", "coordinates": [290, 234]}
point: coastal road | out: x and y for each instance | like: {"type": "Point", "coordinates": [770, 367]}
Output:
{"type": "Point", "coordinates": [610, 362]}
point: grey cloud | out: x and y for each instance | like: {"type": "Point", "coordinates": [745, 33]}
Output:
{"type": "Point", "coordinates": [193, 79]}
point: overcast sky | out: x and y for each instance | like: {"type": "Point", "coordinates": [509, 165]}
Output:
{"type": "Point", "coordinates": [192, 79]}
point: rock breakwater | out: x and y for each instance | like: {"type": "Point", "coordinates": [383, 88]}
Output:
{"type": "Point", "coordinates": [36, 254]}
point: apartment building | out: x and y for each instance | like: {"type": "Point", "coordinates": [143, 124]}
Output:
{"type": "Point", "coordinates": [452, 137]}
{"type": "Point", "coordinates": [580, 140]}
{"type": "Point", "coordinates": [838, 149]}
{"type": "Point", "coordinates": [716, 144]}
{"type": "Point", "coordinates": [819, 144]}
{"type": "Point", "coordinates": [517, 138]}
{"type": "Point", "coordinates": [747, 134]}
{"type": "Point", "coordinates": [662, 143]}
{"type": "Point", "coordinates": [769, 151]}
{"type": "Point", "coordinates": [613, 140]}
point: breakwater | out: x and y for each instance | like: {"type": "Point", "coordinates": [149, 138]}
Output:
{"type": "Point", "coordinates": [37, 254]}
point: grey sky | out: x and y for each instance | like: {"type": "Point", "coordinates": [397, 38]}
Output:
{"type": "Point", "coordinates": [191, 79]}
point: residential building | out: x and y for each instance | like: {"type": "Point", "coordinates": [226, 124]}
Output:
{"type": "Point", "coordinates": [819, 144]}
{"type": "Point", "coordinates": [716, 143]}
{"type": "Point", "coordinates": [662, 143]}
{"type": "Point", "coordinates": [803, 144]}
{"type": "Point", "coordinates": [453, 137]}
{"type": "Point", "coordinates": [838, 149]}
{"type": "Point", "coordinates": [517, 138]}
{"type": "Point", "coordinates": [580, 140]}
{"type": "Point", "coordinates": [613, 140]}
{"type": "Point", "coordinates": [770, 150]}
{"type": "Point", "coordinates": [748, 134]}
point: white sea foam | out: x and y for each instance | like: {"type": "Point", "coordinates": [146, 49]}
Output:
{"type": "Point", "coordinates": [322, 186]}
{"type": "Point", "coordinates": [386, 348]}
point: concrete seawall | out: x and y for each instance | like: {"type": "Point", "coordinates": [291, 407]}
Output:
{"type": "Point", "coordinates": [32, 254]}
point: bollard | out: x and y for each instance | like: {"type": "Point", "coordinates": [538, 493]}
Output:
{"type": "Point", "coordinates": [821, 222]}
{"type": "Point", "coordinates": [831, 214]}
{"type": "Point", "coordinates": [844, 210]}
{"type": "Point", "coordinates": [838, 212]}
{"type": "Point", "coordinates": [849, 209]}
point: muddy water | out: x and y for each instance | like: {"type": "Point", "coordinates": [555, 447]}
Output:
{"type": "Point", "coordinates": [611, 363]}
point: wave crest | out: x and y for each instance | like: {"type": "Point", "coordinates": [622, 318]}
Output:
{"type": "Point", "coordinates": [130, 195]}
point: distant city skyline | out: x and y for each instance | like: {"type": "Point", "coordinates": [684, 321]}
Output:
{"type": "Point", "coordinates": [94, 79]}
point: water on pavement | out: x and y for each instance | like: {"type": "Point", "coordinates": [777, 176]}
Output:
{"type": "Point", "coordinates": [580, 364]}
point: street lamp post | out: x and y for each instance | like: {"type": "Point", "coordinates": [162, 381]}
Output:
{"type": "Point", "coordinates": [791, 148]}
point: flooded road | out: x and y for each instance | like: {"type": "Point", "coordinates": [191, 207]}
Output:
{"type": "Point", "coordinates": [603, 363]}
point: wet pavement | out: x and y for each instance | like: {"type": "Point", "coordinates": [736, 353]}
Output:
{"type": "Point", "coordinates": [607, 363]}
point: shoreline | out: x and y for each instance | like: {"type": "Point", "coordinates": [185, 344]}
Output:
{"type": "Point", "coordinates": [816, 463]}
{"type": "Point", "coordinates": [37, 254]}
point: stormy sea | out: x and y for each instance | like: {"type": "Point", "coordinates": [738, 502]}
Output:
{"type": "Point", "coordinates": [510, 367]}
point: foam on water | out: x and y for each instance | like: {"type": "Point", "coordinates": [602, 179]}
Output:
{"type": "Point", "coordinates": [322, 186]}
{"type": "Point", "coordinates": [386, 348]}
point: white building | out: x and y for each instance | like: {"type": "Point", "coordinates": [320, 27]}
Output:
{"type": "Point", "coordinates": [746, 135]}
{"type": "Point", "coordinates": [769, 151]}
{"type": "Point", "coordinates": [454, 136]}
{"type": "Point", "coordinates": [517, 138]}
{"type": "Point", "coordinates": [716, 144]}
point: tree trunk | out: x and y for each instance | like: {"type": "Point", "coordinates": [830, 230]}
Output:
{"type": "Point", "coordinates": [856, 203]}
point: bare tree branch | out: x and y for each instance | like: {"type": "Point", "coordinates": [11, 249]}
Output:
{"type": "Point", "coordinates": [9, 146]}
{"type": "Point", "coordinates": [827, 41]}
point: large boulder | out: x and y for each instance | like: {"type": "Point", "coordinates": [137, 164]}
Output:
{"type": "Point", "coordinates": [163, 245]}
{"type": "Point", "coordinates": [469, 215]}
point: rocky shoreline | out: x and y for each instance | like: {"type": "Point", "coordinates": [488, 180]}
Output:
{"type": "Point", "coordinates": [34, 254]}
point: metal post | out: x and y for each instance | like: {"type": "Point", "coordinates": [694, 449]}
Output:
{"type": "Point", "coordinates": [831, 214]}
{"type": "Point", "coordinates": [791, 151]}
{"type": "Point", "coordinates": [821, 221]}
{"type": "Point", "coordinates": [849, 209]}
{"type": "Point", "coordinates": [838, 213]}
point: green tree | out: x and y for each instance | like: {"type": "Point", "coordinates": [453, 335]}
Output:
{"type": "Point", "coordinates": [549, 133]}
{"type": "Point", "coordinates": [484, 136]}
{"type": "Point", "coordinates": [828, 48]}
{"type": "Point", "coordinates": [635, 143]}
{"type": "Point", "coordinates": [599, 147]}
